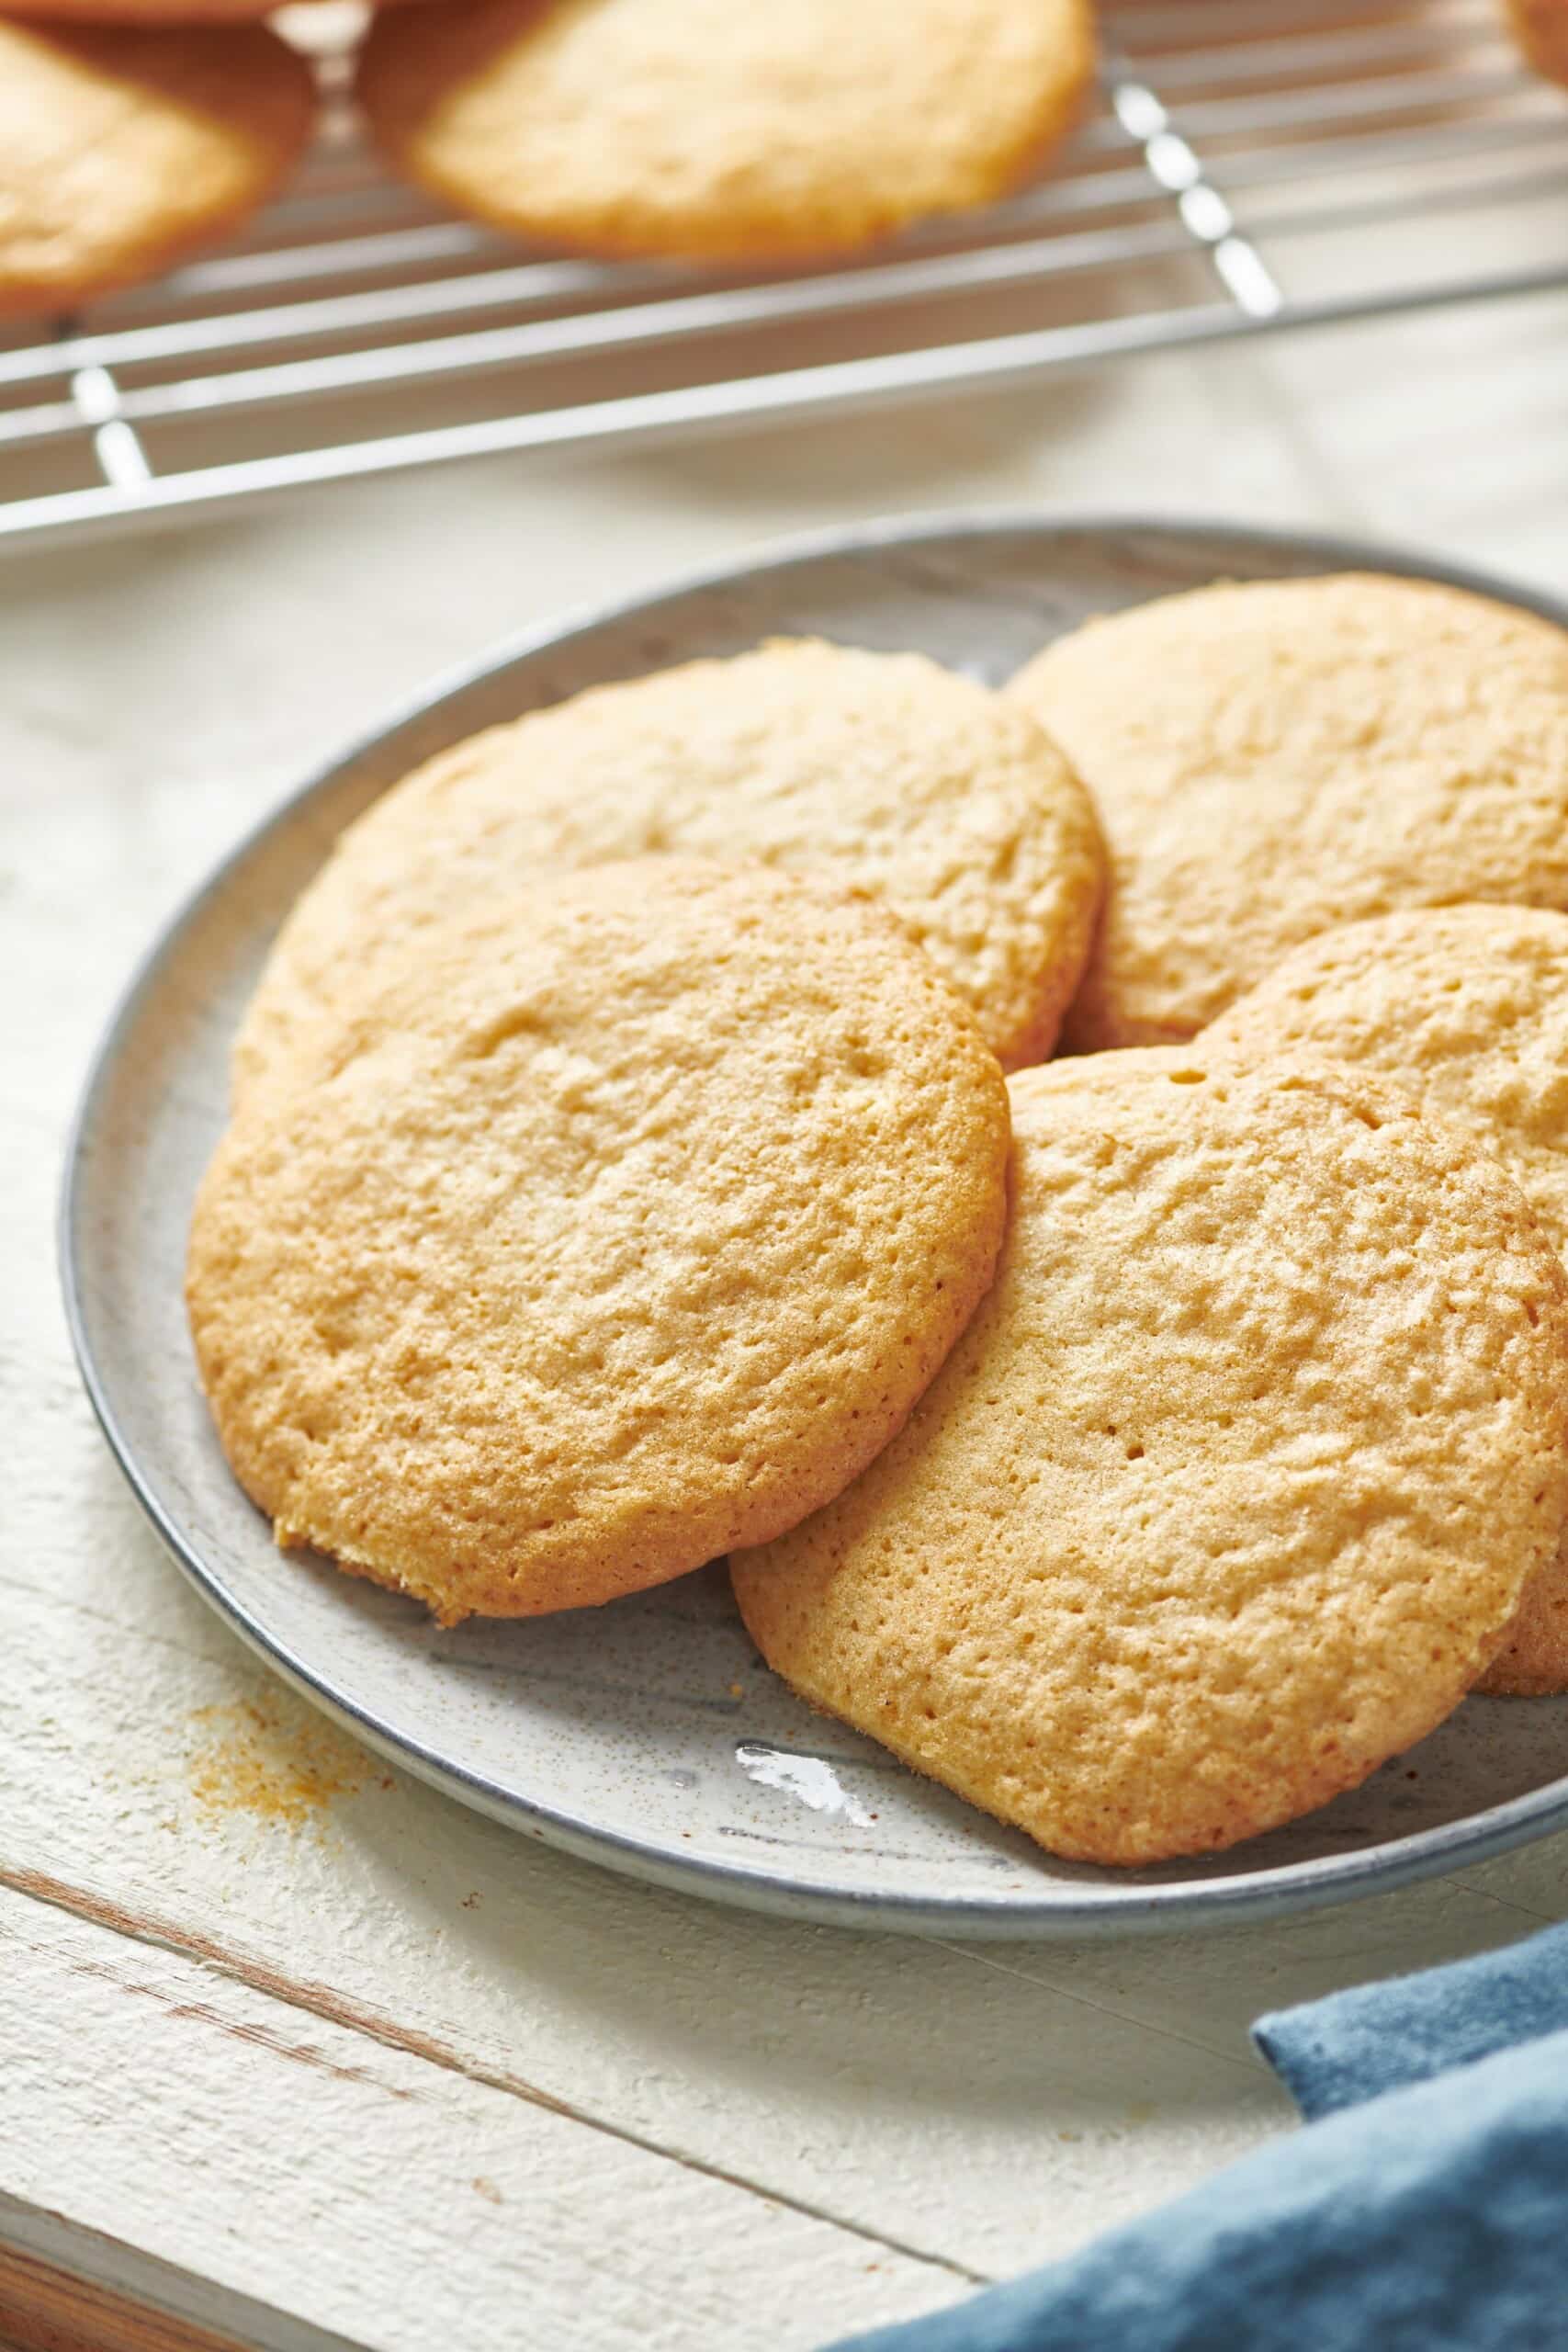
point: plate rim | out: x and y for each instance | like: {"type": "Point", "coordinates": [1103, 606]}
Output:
{"type": "Point", "coordinates": [1068, 1911]}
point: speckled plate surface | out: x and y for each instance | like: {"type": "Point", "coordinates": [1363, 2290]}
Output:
{"type": "Point", "coordinates": [648, 1735]}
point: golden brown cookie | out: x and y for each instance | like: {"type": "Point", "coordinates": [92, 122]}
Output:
{"type": "Point", "coordinates": [119, 149]}
{"type": "Point", "coordinates": [1540, 28]}
{"type": "Point", "coordinates": [1232, 1484]}
{"type": "Point", "coordinates": [1467, 1007]}
{"type": "Point", "coordinates": [625, 1222]}
{"type": "Point", "coordinates": [1272, 759]}
{"type": "Point", "coordinates": [880, 770]}
{"type": "Point", "coordinates": [699, 127]}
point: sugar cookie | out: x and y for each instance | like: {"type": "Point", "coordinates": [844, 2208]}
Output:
{"type": "Point", "coordinates": [1232, 1484]}
{"type": "Point", "coordinates": [122, 147]}
{"type": "Point", "coordinates": [1467, 1007]}
{"type": "Point", "coordinates": [878, 770]}
{"type": "Point", "coordinates": [623, 1222]}
{"type": "Point", "coordinates": [716, 131]}
{"type": "Point", "coordinates": [1272, 759]}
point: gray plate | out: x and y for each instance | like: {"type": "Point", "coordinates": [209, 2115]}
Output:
{"type": "Point", "coordinates": [648, 1735]}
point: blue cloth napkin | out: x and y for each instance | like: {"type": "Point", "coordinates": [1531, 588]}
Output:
{"type": "Point", "coordinates": [1426, 2211]}
{"type": "Point", "coordinates": [1378, 2038]}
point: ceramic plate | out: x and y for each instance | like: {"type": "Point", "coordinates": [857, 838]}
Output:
{"type": "Point", "coordinates": [648, 1735]}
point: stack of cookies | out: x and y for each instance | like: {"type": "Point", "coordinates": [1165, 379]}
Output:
{"type": "Point", "coordinates": [131, 131]}
{"type": "Point", "coordinates": [1066, 1189]}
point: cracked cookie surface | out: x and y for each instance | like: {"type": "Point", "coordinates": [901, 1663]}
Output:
{"type": "Point", "coordinates": [879, 771]}
{"type": "Point", "coordinates": [1466, 1007]}
{"type": "Point", "coordinates": [624, 1222]}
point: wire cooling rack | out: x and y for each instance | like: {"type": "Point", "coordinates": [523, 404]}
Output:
{"type": "Point", "coordinates": [1252, 165]}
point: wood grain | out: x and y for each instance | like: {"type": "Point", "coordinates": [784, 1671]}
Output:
{"type": "Point", "coordinates": [62, 2282]}
{"type": "Point", "coordinates": [229, 2137]}
{"type": "Point", "coordinates": [43, 2309]}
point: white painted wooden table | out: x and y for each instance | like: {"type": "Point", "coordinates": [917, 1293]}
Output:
{"type": "Point", "coordinates": [295, 2049]}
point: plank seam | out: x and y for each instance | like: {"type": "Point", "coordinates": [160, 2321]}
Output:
{"type": "Point", "coordinates": [319, 2000]}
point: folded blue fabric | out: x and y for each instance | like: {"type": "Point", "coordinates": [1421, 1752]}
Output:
{"type": "Point", "coordinates": [1427, 2211]}
{"type": "Point", "coordinates": [1378, 2038]}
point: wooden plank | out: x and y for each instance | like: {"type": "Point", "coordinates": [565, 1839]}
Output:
{"type": "Point", "coordinates": [1444, 429]}
{"type": "Point", "coordinates": [805, 2061]}
{"type": "Point", "coordinates": [1072, 2085]}
{"type": "Point", "coordinates": [369, 2193]}
{"type": "Point", "coordinates": [1210, 1987]}
{"type": "Point", "coordinates": [59, 2282]}
{"type": "Point", "coordinates": [46, 2309]}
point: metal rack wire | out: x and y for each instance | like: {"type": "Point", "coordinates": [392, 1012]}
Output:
{"type": "Point", "coordinates": [1254, 166]}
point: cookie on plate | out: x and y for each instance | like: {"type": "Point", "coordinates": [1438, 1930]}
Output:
{"type": "Point", "coordinates": [121, 148]}
{"type": "Point", "coordinates": [1271, 759]}
{"type": "Point", "coordinates": [879, 770]}
{"type": "Point", "coordinates": [702, 128]}
{"type": "Point", "coordinates": [1231, 1487]}
{"type": "Point", "coordinates": [623, 1222]}
{"type": "Point", "coordinates": [1467, 1007]}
